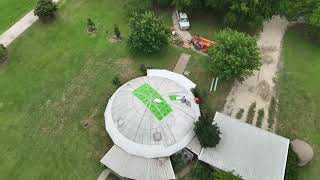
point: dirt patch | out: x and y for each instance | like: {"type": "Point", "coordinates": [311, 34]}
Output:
{"type": "Point", "coordinates": [183, 34]}
{"type": "Point", "coordinates": [263, 89]}
{"type": "Point", "coordinates": [267, 59]}
{"type": "Point", "coordinates": [125, 70]}
{"type": "Point", "coordinates": [88, 122]}
{"type": "Point", "coordinates": [114, 39]}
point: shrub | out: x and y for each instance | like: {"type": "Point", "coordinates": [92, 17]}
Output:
{"type": "Point", "coordinates": [177, 162]}
{"type": "Point", "coordinates": [45, 9]}
{"type": "Point", "coordinates": [260, 117]}
{"type": "Point", "coordinates": [143, 69]}
{"type": "Point", "coordinates": [3, 54]}
{"type": "Point", "coordinates": [201, 170]}
{"type": "Point", "coordinates": [222, 175]}
{"type": "Point", "coordinates": [234, 56]}
{"type": "Point", "coordinates": [208, 133]}
{"type": "Point", "coordinates": [91, 26]}
{"type": "Point", "coordinates": [116, 81]}
{"type": "Point", "coordinates": [251, 112]}
{"type": "Point", "coordinates": [230, 19]}
{"type": "Point", "coordinates": [272, 112]}
{"type": "Point", "coordinates": [292, 166]}
{"type": "Point", "coordinates": [148, 33]}
{"type": "Point", "coordinates": [117, 32]}
{"type": "Point", "coordinates": [240, 113]}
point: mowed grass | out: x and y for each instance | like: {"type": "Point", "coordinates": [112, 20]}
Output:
{"type": "Point", "coordinates": [54, 88]}
{"type": "Point", "coordinates": [12, 10]}
{"type": "Point", "coordinates": [199, 73]}
{"type": "Point", "coordinates": [299, 96]}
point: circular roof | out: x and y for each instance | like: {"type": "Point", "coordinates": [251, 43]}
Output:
{"type": "Point", "coordinates": [151, 117]}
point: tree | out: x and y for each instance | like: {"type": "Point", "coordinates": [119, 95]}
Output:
{"type": "Point", "coordinates": [117, 32]}
{"type": "Point", "coordinates": [3, 54]}
{"type": "Point", "coordinates": [45, 9]}
{"type": "Point", "coordinates": [208, 133]}
{"type": "Point", "coordinates": [234, 56]}
{"type": "Point", "coordinates": [235, 12]}
{"type": "Point", "coordinates": [309, 10]}
{"type": "Point", "coordinates": [91, 27]}
{"type": "Point", "coordinates": [249, 12]}
{"type": "Point", "coordinates": [148, 33]}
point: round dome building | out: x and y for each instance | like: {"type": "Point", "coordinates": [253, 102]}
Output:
{"type": "Point", "coordinates": [149, 119]}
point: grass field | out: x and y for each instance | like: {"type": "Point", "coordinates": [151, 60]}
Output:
{"type": "Point", "coordinates": [13, 10]}
{"type": "Point", "coordinates": [53, 91]}
{"type": "Point", "coordinates": [299, 96]}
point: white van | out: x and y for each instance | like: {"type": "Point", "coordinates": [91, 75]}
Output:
{"type": "Point", "coordinates": [183, 20]}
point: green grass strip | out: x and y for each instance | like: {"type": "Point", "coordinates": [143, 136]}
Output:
{"type": "Point", "coordinates": [146, 94]}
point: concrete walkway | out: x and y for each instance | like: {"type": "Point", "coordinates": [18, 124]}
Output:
{"type": "Point", "coordinates": [182, 63]}
{"type": "Point", "coordinates": [105, 173]}
{"type": "Point", "coordinates": [18, 28]}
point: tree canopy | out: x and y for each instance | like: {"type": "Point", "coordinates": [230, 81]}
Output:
{"type": "Point", "coordinates": [148, 34]}
{"type": "Point", "coordinates": [208, 133]}
{"type": "Point", "coordinates": [45, 9]}
{"type": "Point", "coordinates": [250, 12]}
{"type": "Point", "coordinates": [234, 56]}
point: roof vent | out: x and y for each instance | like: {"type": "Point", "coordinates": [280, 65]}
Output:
{"type": "Point", "coordinates": [157, 136]}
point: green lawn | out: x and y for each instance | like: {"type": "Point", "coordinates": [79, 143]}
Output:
{"type": "Point", "coordinates": [13, 10]}
{"type": "Point", "coordinates": [53, 91]}
{"type": "Point", "coordinates": [299, 96]}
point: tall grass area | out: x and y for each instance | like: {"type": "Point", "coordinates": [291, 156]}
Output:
{"type": "Point", "coordinates": [12, 10]}
{"type": "Point", "coordinates": [299, 96]}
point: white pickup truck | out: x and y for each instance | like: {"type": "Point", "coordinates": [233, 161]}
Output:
{"type": "Point", "coordinates": [183, 20]}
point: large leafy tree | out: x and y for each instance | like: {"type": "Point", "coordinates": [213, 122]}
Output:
{"type": "Point", "coordinates": [45, 9]}
{"type": "Point", "coordinates": [148, 34]}
{"type": "Point", "coordinates": [208, 133]}
{"type": "Point", "coordinates": [234, 56]}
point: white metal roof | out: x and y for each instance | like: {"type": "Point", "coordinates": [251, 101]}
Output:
{"type": "Point", "coordinates": [136, 129]}
{"type": "Point", "coordinates": [251, 152]}
{"type": "Point", "coordinates": [178, 78]}
{"type": "Point", "coordinates": [135, 167]}
{"type": "Point", "coordinates": [195, 146]}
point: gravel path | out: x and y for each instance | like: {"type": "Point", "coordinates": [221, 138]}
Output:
{"type": "Point", "coordinates": [259, 87]}
{"type": "Point", "coordinates": [18, 28]}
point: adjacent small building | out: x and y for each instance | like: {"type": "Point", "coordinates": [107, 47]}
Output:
{"type": "Point", "coordinates": [248, 151]}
